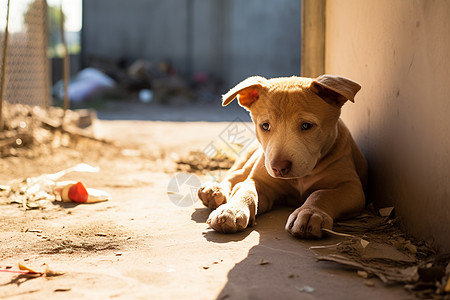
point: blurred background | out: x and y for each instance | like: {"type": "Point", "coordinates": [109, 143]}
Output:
{"type": "Point", "coordinates": [166, 52]}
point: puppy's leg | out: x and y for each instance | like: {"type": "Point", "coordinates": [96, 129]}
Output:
{"type": "Point", "coordinates": [254, 195]}
{"type": "Point", "coordinates": [323, 207]}
{"type": "Point", "coordinates": [238, 212]}
{"type": "Point", "coordinates": [214, 194]}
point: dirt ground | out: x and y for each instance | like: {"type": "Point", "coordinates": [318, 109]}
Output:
{"type": "Point", "coordinates": [140, 245]}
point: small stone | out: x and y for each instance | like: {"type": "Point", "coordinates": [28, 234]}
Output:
{"type": "Point", "coordinates": [363, 274]}
{"type": "Point", "coordinates": [369, 283]}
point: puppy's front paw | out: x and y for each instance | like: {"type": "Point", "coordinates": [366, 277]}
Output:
{"type": "Point", "coordinates": [212, 195]}
{"type": "Point", "coordinates": [307, 223]}
{"type": "Point", "coordinates": [228, 219]}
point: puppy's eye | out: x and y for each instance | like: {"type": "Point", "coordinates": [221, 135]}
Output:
{"type": "Point", "coordinates": [265, 126]}
{"type": "Point", "coordinates": [307, 126]}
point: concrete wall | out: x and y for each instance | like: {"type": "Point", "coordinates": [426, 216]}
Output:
{"type": "Point", "coordinates": [231, 39]}
{"type": "Point", "coordinates": [399, 51]}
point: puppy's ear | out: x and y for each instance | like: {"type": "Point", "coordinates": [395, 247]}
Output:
{"type": "Point", "coordinates": [247, 91]}
{"type": "Point", "coordinates": [335, 90]}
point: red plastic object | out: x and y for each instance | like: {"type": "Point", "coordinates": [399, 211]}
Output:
{"type": "Point", "coordinates": [78, 193]}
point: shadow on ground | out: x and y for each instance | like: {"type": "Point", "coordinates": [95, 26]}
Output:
{"type": "Point", "coordinates": [283, 267]}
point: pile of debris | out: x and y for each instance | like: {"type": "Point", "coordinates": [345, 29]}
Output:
{"type": "Point", "coordinates": [374, 244]}
{"type": "Point", "coordinates": [158, 82]}
{"type": "Point", "coordinates": [198, 161]}
{"type": "Point", "coordinates": [31, 130]}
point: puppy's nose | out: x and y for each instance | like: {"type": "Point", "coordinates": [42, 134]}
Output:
{"type": "Point", "coordinates": [281, 167]}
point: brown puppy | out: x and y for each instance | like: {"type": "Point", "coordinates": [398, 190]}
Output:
{"type": "Point", "coordinates": [306, 157]}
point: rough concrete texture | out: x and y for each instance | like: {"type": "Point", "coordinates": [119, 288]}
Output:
{"type": "Point", "coordinates": [395, 50]}
{"type": "Point", "coordinates": [140, 245]}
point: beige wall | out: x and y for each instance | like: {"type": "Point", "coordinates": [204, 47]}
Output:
{"type": "Point", "coordinates": [399, 51]}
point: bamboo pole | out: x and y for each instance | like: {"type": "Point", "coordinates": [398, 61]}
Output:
{"type": "Point", "coordinates": [3, 74]}
{"type": "Point", "coordinates": [313, 37]}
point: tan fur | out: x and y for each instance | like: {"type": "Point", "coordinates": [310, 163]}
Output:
{"type": "Point", "coordinates": [319, 169]}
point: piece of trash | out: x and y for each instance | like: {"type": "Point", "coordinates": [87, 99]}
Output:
{"type": "Point", "coordinates": [51, 273]}
{"type": "Point", "coordinates": [85, 85]}
{"type": "Point", "coordinates": [447, 286]}
{"type": "Point", "coordinates": [373, 245]}
{"type": "Point", "coordinates": [386, 211]}
{"type": "Point", "coordinates": [305, 289]}
{"type": "Point", "coordinates": [25, 270]}
{"type": "Point", "coordinates": [369, 283]}
{"type": "Point", "coordinates": [363, 274]}
{"type": "Point", "coordinates": [30, 271]}
{"type": "Point", "coordinates": [378, 259]}
{"type": "Point", "coordinates": [77, 192]}
{"type": "Point", "coordinates": [263, 262]}
{"type": "Point", "coordinates": [78, 168]}
{"type": "Point", "coordinates": [36, 192]}
{"type": "Point", "coordinates": [145, 95]}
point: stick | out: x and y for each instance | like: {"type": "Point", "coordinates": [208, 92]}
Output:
{"type": "Point", "coordinates": [3, 74]}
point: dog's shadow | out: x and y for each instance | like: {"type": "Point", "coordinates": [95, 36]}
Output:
{"type": "Point", "coordinates": [276, 266]}
{"type": "Point", "coordinates": [200, 215]}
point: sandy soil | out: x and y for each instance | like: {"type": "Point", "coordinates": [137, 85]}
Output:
{"type": "Point", "coordinates": [140, 245]}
